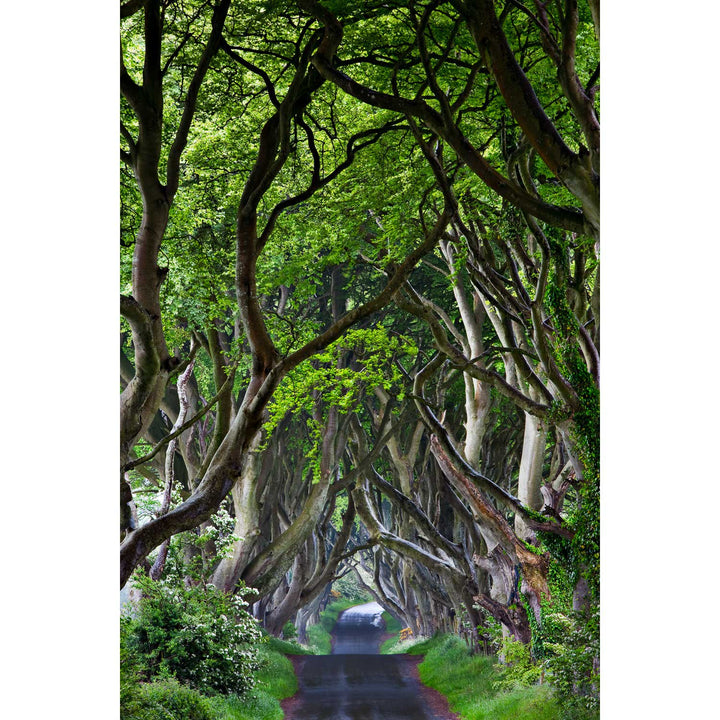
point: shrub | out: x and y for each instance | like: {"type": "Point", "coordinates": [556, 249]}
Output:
{"type": "Point", "coordinates": [572, 664]}
{"type": "Point", "coordinates": [198, 635]}
{"type": "Point", "coordinates": [276, 680]}
{"type": "Point", "coordinates": [131, 704]}
{"type": "Point", "coordinates": [520, 669]}
{"type": "Point", "coordinates": [289, 631]}
{"type": "Point", "coordinates": [169, 700]}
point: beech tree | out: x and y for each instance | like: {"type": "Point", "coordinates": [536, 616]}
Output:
{"type": "Point", "coordinates": [235, 427]}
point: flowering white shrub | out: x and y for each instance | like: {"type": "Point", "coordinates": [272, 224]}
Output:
{"type": "Point", "coordinates": [199, 635]}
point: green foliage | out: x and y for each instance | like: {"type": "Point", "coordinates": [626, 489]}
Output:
{"type": "Point", "coordinates": [338, 382]}
{"type": "Point", "coordinates": [471, 684]}
{"type": "Point", "coordinates": [584, 553]}
{"type": "Point", "coordinates": [198, 635]}
{"type": "Point", "coordinates": [520, 669]}
{"type": "Point", "coordinates": [132, 705]}
{"type": "Point", "coordinates": [350, 589]}
{"type": "Point", "coordinates": [572, 661]}
{"type": "Point", "coordinates": [289, 631]}
{"type": "Point", "coordinates": [168, 699]}
{"type": "Point", "coordinates": [341, 505]}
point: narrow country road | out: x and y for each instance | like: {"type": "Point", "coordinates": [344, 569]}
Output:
{"type": "Point", "coordinates": [356, 683]}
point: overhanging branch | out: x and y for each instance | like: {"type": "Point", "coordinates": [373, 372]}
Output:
{"type": "Point", "coordinates": [182, 428]}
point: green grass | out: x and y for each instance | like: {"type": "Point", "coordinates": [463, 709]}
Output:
{"type": "Point", "coordinates": [424, 646]}
{"type": "Point", "coordinates": [468, 682]}
{"type": "Point", "coordinates": [287, 647]}
{"type": "Point", "coordinates": [392, 626]}
{"type": "Point", "coordinates": [257, 705]}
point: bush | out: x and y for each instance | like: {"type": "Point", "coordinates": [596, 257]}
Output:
{"type": "Point", "coordinates": [198, 635]}
{"type": "Point", "coordinates": [131, 704]}
{"type": "Point", "coordinates": [289, 631]}
{"type": "Point", "coordinates": [520, 669]}
{"type": "Point", "coordinates": [276, 680]}
{"type": "Point", "coordinates": [571, 665]}
{"type": "Point", "coordinates": [169, 700]}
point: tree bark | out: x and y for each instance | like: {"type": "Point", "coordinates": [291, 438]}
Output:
{"type": "Point", "coordinates": [530, 473]}
{"type": "Point", "coordinates": [247, 522]}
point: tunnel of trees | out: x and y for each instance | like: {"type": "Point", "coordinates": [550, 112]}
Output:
{"type": "Point", "coordinates": [360, 307]}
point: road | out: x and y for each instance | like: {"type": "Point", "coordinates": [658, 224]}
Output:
{"type": "Point", "coordinates": [356, 683]}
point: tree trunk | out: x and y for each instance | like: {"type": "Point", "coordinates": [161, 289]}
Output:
{"type": "Point", "coordinates": [530, 473]}
{"type": "Point", "coordinates": [247, 522]}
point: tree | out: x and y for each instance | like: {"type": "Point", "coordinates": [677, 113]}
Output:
{"type": "Point", "coordinates": [221, 468]}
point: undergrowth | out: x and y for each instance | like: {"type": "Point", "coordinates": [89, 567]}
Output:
{"type": "Point", "coordinates": [395, 643]}
{"type": "Point", "coordinates": [167, 699]}
{"type": "Point", "coordinates": [472, 683]}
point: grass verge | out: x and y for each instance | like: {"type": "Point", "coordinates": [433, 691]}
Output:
{"type": "Point", "coordinates": [393, 644]}
{"type": "Point", "coordinates": [469, 683]}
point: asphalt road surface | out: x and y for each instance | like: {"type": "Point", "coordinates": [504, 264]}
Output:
{"type": "Point", "coordinates": [356, 683]}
